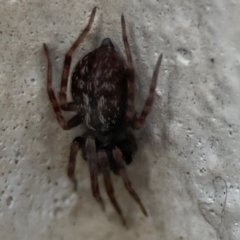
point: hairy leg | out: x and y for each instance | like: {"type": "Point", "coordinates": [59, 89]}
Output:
{"type": "Point", "coordinates": [130, 102]}
{"type": "Point", "coordinates": [130, 111]}
{"type": "Point", "coordinates": [67, 62]}
{"type": "Point", "coordinates": [103, 160]}
{"type": "Point", "coordinates": [76, 145]}
{"type": "Point", "coordinates": [90, 149]}
{"type": "Point", "coordinates": [141, 119]}
{"type": "Point", "coordinates": [76, 120]}
{"type": "Point", "coordinates": [123, 172]}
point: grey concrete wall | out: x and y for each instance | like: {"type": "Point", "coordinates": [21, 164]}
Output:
{"type": "Point", "coordinates": [186, 170]}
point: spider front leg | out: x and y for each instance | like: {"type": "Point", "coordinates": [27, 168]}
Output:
{"type": "Point", "coordinates": [141, 119]}
{"type": "Point", "coordinates": [130, 102]}
{"type": "Point", "coordinates": [104, 163]}
{"type": "Point", "coordinates": [74, 121]}
{"type": "Point", "coordinates": [130, 111]}
{"type": "Point", "coordinates": [123, 172]}
{"type": "Point", "coordinates": [67, 62]}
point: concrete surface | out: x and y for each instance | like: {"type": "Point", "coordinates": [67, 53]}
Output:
{"type": "Point", "coordinates": [187, 169]}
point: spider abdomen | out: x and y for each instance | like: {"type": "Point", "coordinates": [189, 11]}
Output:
{"type": "Point", "coordinates": [99, 88]}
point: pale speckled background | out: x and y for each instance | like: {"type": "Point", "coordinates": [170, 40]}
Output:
{"type": "Point", "coordinates": [187, 169]}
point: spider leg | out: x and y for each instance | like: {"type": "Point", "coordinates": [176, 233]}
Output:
{"type": "Point", "coordinates": [90, 148]}
{"type": "Point", "coordinates": [141, 119]}
{"type": "Point", "coordinates": [67, 62]}
{"type": "Point", "coordinates": [76, 145]}
{"type": "Point", "coordinates": [103, 160]}
{"type": "Point", "coordinates": [130, 102]}
{"type": "Point", "coordinates": [76, 120]}
{"type": "Point", "coordinates": [121, 164]}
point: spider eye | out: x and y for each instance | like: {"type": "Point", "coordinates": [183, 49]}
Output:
{"type": "Point", "coordinates": [107, 43]}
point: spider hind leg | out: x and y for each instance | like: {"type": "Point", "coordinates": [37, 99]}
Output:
{"type": "Point", "coordinates": [104, 163]}
{"type": "Point", "coordinates": [91, 157]}
{"type": "Point", "coordinates": [123, 172]}
{"type": "Point", "coordinates": [76, 145]}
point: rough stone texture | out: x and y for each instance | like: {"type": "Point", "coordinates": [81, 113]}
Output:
{"type": "Point", "coordinates": [187, 168]}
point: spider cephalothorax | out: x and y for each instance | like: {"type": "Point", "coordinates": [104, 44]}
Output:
{"type": "Point", "coordinates": [103, 97]}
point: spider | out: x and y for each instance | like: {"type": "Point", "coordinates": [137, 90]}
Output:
{"type": "Point", "coordinates": [102, 90]}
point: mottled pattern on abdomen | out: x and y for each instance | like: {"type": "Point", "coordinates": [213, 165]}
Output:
{"type": "Point", "coordinates": [100, 88]}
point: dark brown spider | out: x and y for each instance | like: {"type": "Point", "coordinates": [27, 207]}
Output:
{"type": "Point", "coordinates": [103, 97]}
